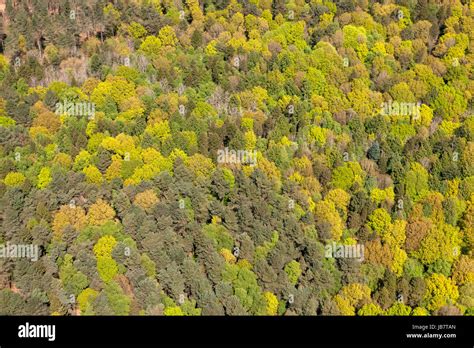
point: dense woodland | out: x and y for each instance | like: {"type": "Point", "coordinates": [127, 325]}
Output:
{"type": "Point", "coordinates": [133, 213]}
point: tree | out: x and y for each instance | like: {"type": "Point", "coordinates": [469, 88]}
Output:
{"type": "Point", "coordinates": [374, 151]}
{"type": "Point", "coordinates": [463, 270]}
{"type": "Point", "coordinates": [68, 216]}
{"type": "Point", "coordinates": [45, 118]}
{"type": "Point", "coordinates": [272, 303]}
{"type": "Point", "coordinates": [346, 175]}
{"type": "Point", "coordinates": [11, 303]}
{"type": "Point", "coordinates": [119, 302]}
{"type": "Point", "coordinates": [85, 300]}
{"type": "Point", "coordinates": [351, 297]}
{"type": "Point", "coordinates": [440, 291]}
{"type": "Point", "coordinates": [327, 216]}
{"type": "Point", "coordinates": [370, 309]}
{"type": "Point", "coordinates": [468, 223]}
{"type": "Point", "coordinates": [167, 36]}
{"type": "Point", "coordinates": [104, 247]}
{"type": "Point", "coordinates": [200, 165]}
{"type": "Point", "coordinates": [449, 103]}
{"type": "Point", "coordinates": [246, 288]}
{"type": "Point", "coordinates": [442, 242]}
{"type": "Point", "coordinates": [74, 281]}
{"type": "Point", "coordinates": [93, 174]}
{"type": "Point", "coordinates": [99, 213]}
{"type": "Point", "coordinates": [44, 178]}
{"type": "Point", "coordinates": [416, 182]}
{"type": "Point", "coordinates": [173, 311]}
{"type": "Point", "coordinates": [14, 179]}
{"type": "Point", "coordinates": [293, 270]}
{"type": "Point", "coordinates": [195, 9]}
{"type": "Point", "coordinates": [380, 221]}
{"type": "Point", "coordinates": [151, 46]}
{"type": "Point", "coordinates": [399, 309]}
{"type": "Point", "coordinates": [220, 236]}
{"type": "Point", "coordinates": [355, 38]}
{"type": "Point", "coordinates": [146, 199]}
{"type": "Point", "coordinates": [416, 231]}
{"type": "Point", "coordinates": [137, 30]}
{"type": "Point", "coordinates": [112, 115]}
{"type": "Point", "coordinates": [107, 268]}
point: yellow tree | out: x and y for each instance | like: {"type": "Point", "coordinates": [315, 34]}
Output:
{"type": "Point", "coordinates": [200, 165]}
{"type": "Point", "coordinates": [380, 221]}
{"type": "Point", "coordinates": [442, 242]}
{"type": "Point", "coordinates": [93, 174]}
{"type": "Point", "coordinates": [146, 199]}
{"type": "Point", "coordinates": [463, 270]}
{"type": "Point", "coordinates": [14, 179]}
{"type": "Point", "coordinates": [99, 213]}
{"type": "Point", "coordinates": [167, 36]}
{"type": "Point", "coordinates": [325, 212]}
{"type": "Point", "coordinates": [106, 265]}
{"type": "Point", "coordinates": [468, 224]}
{"type": "Point", "coordinates": [440, 291]}
{"type": "Point", "coordinates": [104, 246]}
{"type": "Point", "coordinates": [44, 178]}
{"type": "Point", "coordinates": [272, 303]}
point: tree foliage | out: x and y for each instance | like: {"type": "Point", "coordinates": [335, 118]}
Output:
{"type": "Point", "coordinates": [238, 157]}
